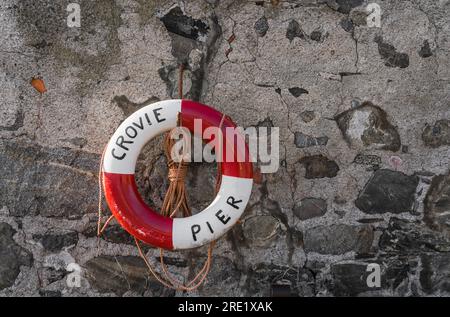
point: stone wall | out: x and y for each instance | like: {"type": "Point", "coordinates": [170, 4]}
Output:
{"type": "Point", "coordinates": [364, 117]}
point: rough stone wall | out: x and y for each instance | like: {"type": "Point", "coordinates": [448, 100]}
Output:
{"type": "Point", "coordinates": [364, 117]}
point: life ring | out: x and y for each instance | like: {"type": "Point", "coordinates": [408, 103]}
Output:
{"type": "Point", "coordinates": [128, 206]}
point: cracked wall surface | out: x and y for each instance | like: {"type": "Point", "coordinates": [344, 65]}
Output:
{"type": "Point", "coordinates": [364, 118]}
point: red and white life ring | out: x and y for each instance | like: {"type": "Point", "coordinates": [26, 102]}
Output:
{"type": "Point", "coordinates": [128, 206]}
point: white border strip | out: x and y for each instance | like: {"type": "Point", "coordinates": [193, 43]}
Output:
{"type": "Point", "coordinates": [217, 218]}
{"type": "Point", "coordinates": [139, 128]}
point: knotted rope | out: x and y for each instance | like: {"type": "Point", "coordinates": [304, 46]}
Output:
{"type": "Point", "coordinates": [175, 200]}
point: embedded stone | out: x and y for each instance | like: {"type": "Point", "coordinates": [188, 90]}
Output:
{"type": "Point", "coordinates": [367, 127]}
{"type": "Point", "coordinates": [425, 50]}
{"type": "Point", "coordinates": [117, 274]}
{"type": "Point", "coordinates": [261, 26]}
{"type": "Point", "coordinates": [56, 242]}
{"type": "Point", "coordinates": [437, 135]}
{"type": "Point", "coordinates": [307, 116]}
{"type": "Point", "coordinates": [297, 91]}
{"type": "Point", "coordinates": [319, 166]}
{"type": "Point", "coordinates": [303, 141]}
{"type": "Point", "coordinates": [389, 54]}
{"type": "Point", "coordinates": [294, 30]}
{"type": "Point", "coordinates": [338, 239]}
{"type": "Point", "coordinates": [388, 191]}
{"type": "Point", "coordinates": [437, 204]}
{"type": "Point", "coordinates": [60, 182]}
{"type": "Point", "coordinates": [274, 280]}
{"type": "Point", "coordinates": [310, 208]}
{"type": "Point", "coordinates": [260, 228]}
{"type": "Point", "coordinates": [12, 256]}
{"type": "Point", "coordinates": [434, 277]}
{"type": "Point", "coordinates": [371, 160]}
{"type": "Point", "coordinates": [410, 237]}
{"type": "Point", "coordinates": [349, 279]}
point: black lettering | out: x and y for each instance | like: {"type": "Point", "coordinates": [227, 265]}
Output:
{"type": "Point", "coordinates": [157, 114]}
{"type": "Point", "coordinates": [210, 228]}
{"type": "Point", "coordinates": [132, 129]}
{"type": "Point", "coordinates": [148, 119]}
{"type": "Point", "coordinates": [222, 218]}
{"type": "Point", "coordinates": [140, 125]}
{"type": "Point", "coordinates": [120, 140]}
{"type": "Point", "coordinates": [118, 157]}
{"type": "Point", "coordinates": [195, 229]}
{"type": "Point", "coordinates": [232, 202]}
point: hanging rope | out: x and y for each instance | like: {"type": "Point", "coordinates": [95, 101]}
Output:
{"type": "Point", "coordinates": [175, 201]}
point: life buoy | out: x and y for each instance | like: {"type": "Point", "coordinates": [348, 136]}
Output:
{"type": "Point", "coordinates": [128, 206]}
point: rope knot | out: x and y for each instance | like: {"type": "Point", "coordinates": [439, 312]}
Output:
{"type": "Point", "coordinates": [177, 171]}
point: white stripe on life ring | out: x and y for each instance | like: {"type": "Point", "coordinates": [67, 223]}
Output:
{"type": "Point", "coordinates": [217, 218]}
{"type": "Point", "coordinates": [139, 128]}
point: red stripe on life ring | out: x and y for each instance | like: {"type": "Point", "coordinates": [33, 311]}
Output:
{"type": "Point", "coordinates": [133, 214]}
{"type": "Point", "coordinates": [191, 110]}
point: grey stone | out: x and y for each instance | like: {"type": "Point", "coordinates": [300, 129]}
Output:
{"type": "Point", "coordinates": [405, 237]}
{"type": "Point", "coordinates": [397, 275]}
{"type": "Point", "coordinates": [338, 239]}
{"type": "Point", "coordinates": [294, 30]}
{"type": "Point", "coordinates": [49, 293]}
{"type": "Point", "coordinates": [18, 123]}
{"type": "Point", "coordinates": [345, 6]}
{"type": "Point", "coordinates": [358, 17]}
{"type": "Point", "coordinates": [317, 36]}
{"type": "Point", "coordinates": [117, 274]}
{"type": "Point", "coordinates": [260, 228]}
{"type": "Point", "coordinates": [349, 279]}
{"type": "Point", "coordinates": [437, 135]}
{"type": "Point", "coordinates": [177, 22]}
{"type": "Point", "coordinates": [425, 50]}
{"type": "Point", "coordinates": [307, 116]}
{"type": "Point", "coordinates": [56, 242]}
{"type": "Point", "coordinates": [265, 280]}
{"type": "Point", "coordinates": [371, 160]}
{"type": "Point", "coordinates": [59, 182]}
{"type": "Point", "coordinates": [434, 277]}
{"type": "Point", "coordinates": [303, 141]}
{"type": "Point", "coordinates": [297, 91]}
{"type": "Point", "coordinates": [49, 275]}
{"type": "Point", "coordinates": [113, 233]}
{"type": "Point", "coordinates": [319, 166]}
{"type": "Point", "coordinates": [367, 127]}
{"type": "Point", "coordinates": [437, 204]}
{"type": "Point", "coordinates": [310, 208]}
{"type": "Point", "coordinates": [12, 256]}
{"type": "Point", "coordinates": [80, 142]}
{"type": "Point", "coordinates": [347, 24]}
{"type": "Point", "coordinates": [390, 55]}
{"type": "Point", "coordinates": [224, 273]}
{"type": "Point", "coordinates": [388, 191]}
{"type": "Point", "coordinates": [261, 26]}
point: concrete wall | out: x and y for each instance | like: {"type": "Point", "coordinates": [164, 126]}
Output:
{"type": "Point", "coordinates": [364, 141]}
